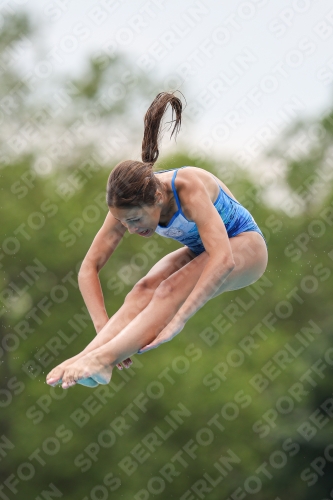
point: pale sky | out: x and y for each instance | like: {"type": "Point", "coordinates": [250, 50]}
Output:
{"type": "Point", "coordinates": [242, 65]}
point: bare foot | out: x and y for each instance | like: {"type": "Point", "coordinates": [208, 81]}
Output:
{"type": "Point", "coordinates": [91, 366]}
{"type": "Point", "coordinates": [54, 377]}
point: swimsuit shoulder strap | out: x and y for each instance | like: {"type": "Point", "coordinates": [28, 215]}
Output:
{"type": "Point", "coordinates": [174, 190]}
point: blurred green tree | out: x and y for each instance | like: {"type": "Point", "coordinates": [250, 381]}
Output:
{"type": "Point", "coordinates": [52, 205]}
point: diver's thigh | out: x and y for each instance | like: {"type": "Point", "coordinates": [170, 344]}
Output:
{"type": "Point", "coordinates": [250, 256]}
{"type": "Point", "coordinates": [165, 267]}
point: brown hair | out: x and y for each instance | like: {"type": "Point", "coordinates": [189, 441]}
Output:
{"type": "Point", "coordinates": [133, 183]}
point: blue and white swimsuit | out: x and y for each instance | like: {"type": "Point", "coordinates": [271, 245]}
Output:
{"type": "Point", "coordinates": [237, 219]}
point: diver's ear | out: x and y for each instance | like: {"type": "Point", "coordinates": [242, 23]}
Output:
{"type": "Point", "coordinates": [158, 197]}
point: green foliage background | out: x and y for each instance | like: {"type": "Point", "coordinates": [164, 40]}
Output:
{"type": "Point", "coordinates": [77, 443]}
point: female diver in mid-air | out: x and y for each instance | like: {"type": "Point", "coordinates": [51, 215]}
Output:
{"type": "Point", "coordinates": [223, 250]}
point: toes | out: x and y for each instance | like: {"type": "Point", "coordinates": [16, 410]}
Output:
{"type": "Point", "coordinates": [76, 376]}
{"type": "Point", "coordinates": [68, 379]}
{"type": "Point", "coordinates": [127, 362]}
{"type": "Point", "coordinates": [55, 375]}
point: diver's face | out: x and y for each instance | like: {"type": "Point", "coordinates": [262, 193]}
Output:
{"type": "Point", "coordinates": [138, 220]}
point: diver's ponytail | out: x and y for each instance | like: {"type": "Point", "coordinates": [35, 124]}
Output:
{"type": "Point", "coordinates": [152, 121]}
